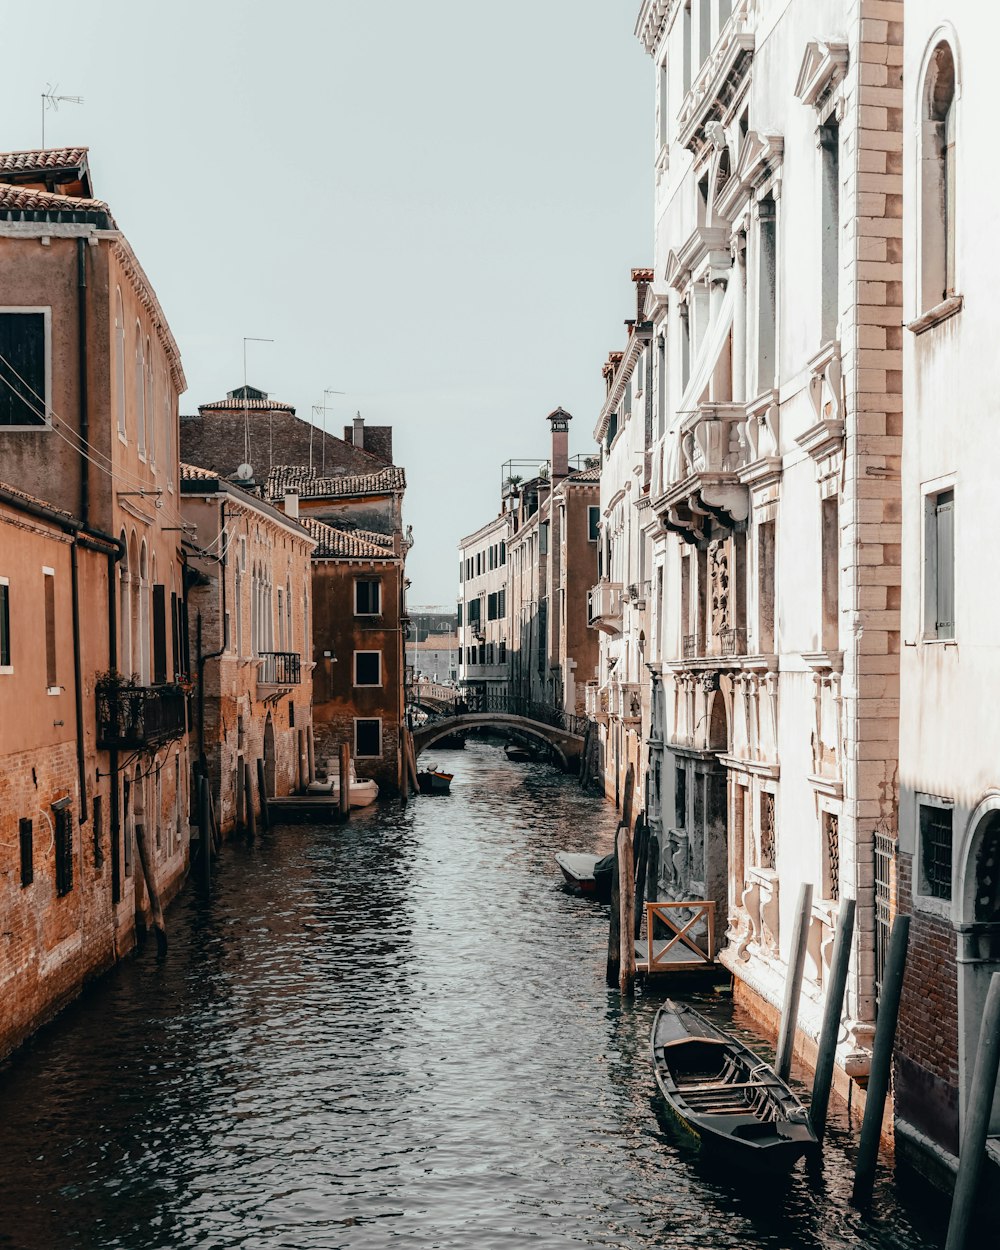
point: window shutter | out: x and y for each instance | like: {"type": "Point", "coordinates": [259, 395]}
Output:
{"type": "Point", "coordinates": [159, 635]}
{"type": "Point", "coordinates": [175, 634]}
{"type": "Point", "coordinates": [4, 624]}
{"type": "Point", "coordinates": [51, 676]}
{"type": "Point", "coordinates": [944, 516]}
{"type": "Point", "coordinates": [27, 851]}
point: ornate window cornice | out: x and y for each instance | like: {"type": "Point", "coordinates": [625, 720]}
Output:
{"type": "Point", "coordinates": [823, 67]}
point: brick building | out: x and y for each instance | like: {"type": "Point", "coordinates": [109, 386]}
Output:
{"type": "Point", "coordinates": [358, 633]}
{"type": "Point", "coordinates": [248, 427]}
{"type": "Point", "coordinates": [251, 619]}
{"type": "Point", "coordinates": [89, 380]}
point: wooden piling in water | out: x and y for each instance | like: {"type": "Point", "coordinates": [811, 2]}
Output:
{"type": "Point", "coordinates": [881, 1066]}
{"type": "Point", "coordinates": [248, 796]}
{"type": "Point", "coordinates": [793, 984]}
{"type": "Point", "coordinates": [345, 781]}
{"type": "Point", "coordinates": [832, 1012]}
{"type": "Point", "coordinates": [626, 887]}
{"type": "Point", "coordinates": [265, 815]}
{"type": "Point", "coordinates": [978, 1111]}
{"type": "Point", "coordinates": [614, 927]}
{"type": "Point", "coordinates": [205, 832]}
{"type": "Point", "coordinates": [240, 813]}
{"type": "Point", "coordinates": [641, 844]}
{"type": "Point", "coordinates": [156, 910]}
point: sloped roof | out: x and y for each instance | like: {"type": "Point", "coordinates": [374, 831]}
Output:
{"type": "Point", "coordinates": [309, 486]}
{"type": "Point", "coordinates": [195, 473]}
{"type": "Point", "coordinates": [247, 398]}
{"type": "Point", "coordinates": [27, 200]}
{"type": "Point", "coordinates": [586, 475]}
{"type": "Point", "coordinates": [42, 158]}
{"type": "Point", "coordinates": [331, 542]}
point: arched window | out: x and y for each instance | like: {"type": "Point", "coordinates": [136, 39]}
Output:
{"type": "Point", "coordinates": [124, 613]}
{"type": "Point", "coordinates": [140, 392]}
{"type": "Point", "coordinates": [135, 608]}
{"type": "Point", "coordinates": [120, 362]}
{"type": "Point", "coordinates": [937, 179]}
{"type": "Point", "coordinates": [144, 615]}
{"type": "Point", "coordinates": [150, 405]}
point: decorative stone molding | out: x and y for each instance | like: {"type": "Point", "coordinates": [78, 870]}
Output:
{"type": "Point", "coordinates": [934, 316]}
{"type": "Point", "coordinates": [762, 432]}
{"type": "Point", "coordinates": [824, 441]}
{"type": "Point", "coordinates": [758, 169]}
{"type": "Point", "coordinates": [720, 79]}
{"type": "Point", "coordinates": [823, 68]}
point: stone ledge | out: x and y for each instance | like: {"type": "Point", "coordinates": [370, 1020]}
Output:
{"type": "Point", "coordinates": [934, 316]}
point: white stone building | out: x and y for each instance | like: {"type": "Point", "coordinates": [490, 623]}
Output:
{"type": "Point", "coordinates": [775, 318]}
{"type": "Point", "coordinates": [482, 609]}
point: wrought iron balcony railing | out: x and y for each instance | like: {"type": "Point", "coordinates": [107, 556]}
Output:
{"type": "Point", "coordinates": [689, 646]}
{"type": "Point", "coordinates": [733, 641]}
{"type": "Point", "coordinates": [279, 668]}
{"type": "Point", "coordinates": [133, 717]}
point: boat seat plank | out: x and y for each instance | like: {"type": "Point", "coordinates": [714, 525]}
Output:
{"type": "Point", "coordinates": [723, 1086]}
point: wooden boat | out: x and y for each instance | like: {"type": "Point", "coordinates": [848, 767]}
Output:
{"type": "Point", "coordinates": [590, 874]}
{"type": "Point", "coordinates": [724, 1094]}
{"type": "Point", "coordinates": [517, 753]}
{"type": "Point", "coordinates": [363, 793]}
{"type": "Point", "coordinates": [434, 781]}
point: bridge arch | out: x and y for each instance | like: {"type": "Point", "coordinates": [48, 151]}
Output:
{"type": "Point", "coordinates": [567, 746]}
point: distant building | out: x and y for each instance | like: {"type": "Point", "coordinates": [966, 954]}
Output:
{"type": "Point", "coordinates": [483, 623]}
{"type": "Point", "coordinates": [431, 620]}
{"type": "Point", "coordinates": [250, 428]}
{"type": "Point", "coordinates": [434, 657]}
{"type": "Point", "coordinates": [251, 607]}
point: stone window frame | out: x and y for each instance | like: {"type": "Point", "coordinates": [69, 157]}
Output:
{"type": "Point", "coordinates": [930, 492]}
{"type": "Point", "coordinates": [829, 807]}
{"type": "Point", "coordinates": [6, 670]}
{"type": "Point", "coordinates": [922, 901]}
{"type": "Point", "coordinates": [367, 685]}
{"type": "Point", "coordinates": [357, 583]}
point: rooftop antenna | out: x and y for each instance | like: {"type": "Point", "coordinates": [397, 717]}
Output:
{"type": "Point", "coordinates": [327, 391]}
{"type": "Point", "coordinates": [52, 101]}
{"type": "Point", "coordinates": [249, 338]}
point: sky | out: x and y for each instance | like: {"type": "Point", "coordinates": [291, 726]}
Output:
{"type": "Point", "coordinates": [430, 206]}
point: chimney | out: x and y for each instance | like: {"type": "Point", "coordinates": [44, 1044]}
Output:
{"type": "Point", "coordinates": [359, 431]}
{"type": "Point", "coordinates": [291, 502]}
{"type": "Point", "coordinates": [559, 460]}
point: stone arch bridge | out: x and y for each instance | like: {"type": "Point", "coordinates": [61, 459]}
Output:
{"type": "Point", "coordinates": [450, 711]}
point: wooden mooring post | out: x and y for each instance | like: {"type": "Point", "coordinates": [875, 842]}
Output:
{"type": "Point", "coordinates": [155, 909]}
{"type": "Point", "coordinates": [205, 832]}
{"type": "Point", "coordinates": [265, 815]}
{"type": "Point", "coordinates": [832, 1012]}
{"type": "Point", "coordinates": [626, 887]}
{"type": "Point", "coordinates": [240, 814]}
{"type": "Point", "coordinates": [793, 985]}
{"type": "Point", "coordinates": [248, 799]}
{"type": "Point", "coordinates": [978, 1111]}
{"type": "Point", "coordinates": [641, 846]}
{"type": "Point", "coordinates": [881, 1067]}
{"type": "Point", "coordinates": [345, 781]}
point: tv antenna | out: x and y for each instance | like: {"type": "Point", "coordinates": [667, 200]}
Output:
{"type": "Point", "coordinates": [322, 408]}
{"type": "Point", "coordinates": [249, 338]}
{"type": "Point", "coordinates": [50, 100]}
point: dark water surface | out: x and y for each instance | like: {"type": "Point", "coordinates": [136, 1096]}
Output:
{"type": "Point", "coordinates": [392, 1033]}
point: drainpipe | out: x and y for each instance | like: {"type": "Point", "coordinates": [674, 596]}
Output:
{"type": "Point", "coordinates": [211, 655]}
{"type": "Point", "coordinates": [81, 313]}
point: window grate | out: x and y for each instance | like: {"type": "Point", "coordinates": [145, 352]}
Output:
{"type": "Point", "coordinates": [64, 850]}
{"type": "Point", "coordinates": [831, 834]}
{"type": "Point", "coordinates": [935, 843]}
{"type": "Point", "coordinates": [885, 899]}
{"type": "Point", "coordinates": [767, 830]}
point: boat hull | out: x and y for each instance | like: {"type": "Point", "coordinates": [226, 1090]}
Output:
{"type": "Point", "coordinates": [721, 1092]}
{"type": "Point", "coordinates": [434, 782]}
{"type": "Point", "coordinates": [578, 870]}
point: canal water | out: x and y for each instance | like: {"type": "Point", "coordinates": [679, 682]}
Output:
{"type": "Point", "coordinates": [391, 1033]}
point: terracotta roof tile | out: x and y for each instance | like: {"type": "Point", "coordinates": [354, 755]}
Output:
{"type": "Point", "coordinates": [195, 473]}
{"type": "Point", "coordinates": [310, 486]}
{"type": "Point", "coordinates": [229, 404]}
{"type": "Point", "coordinates": [586, 475]}
{"type": "Point", "coordinates": [42, 158]}
{"type": "Point", "coordinates": [331, 542]}
{"type": "Point", "coordinates": [33, 499]}
{"type": "Point", "coordinates": [26, 200]}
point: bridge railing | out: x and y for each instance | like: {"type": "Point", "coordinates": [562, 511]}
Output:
{"type": "Point", "coordinates": [472, 700]}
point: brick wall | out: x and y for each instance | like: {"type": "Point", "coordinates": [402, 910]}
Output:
{"type": "Point", "coordinates": [215, 440]}
{"type": "Point", "coordinates": [926, 1061]}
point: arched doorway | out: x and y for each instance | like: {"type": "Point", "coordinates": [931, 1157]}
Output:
{"type": "Point", "coordinates": [270, 763]}
{"type": "Point", "coordinates": [979, 940]}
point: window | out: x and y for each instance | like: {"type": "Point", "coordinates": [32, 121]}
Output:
{"type": "Point", "coordinates": [367, 739]}
{"type": "Point", "coordinates": [160, 634]}
{"type": "Point", "coordinates": [502, 656]}
{"type": "Point", "coordinates": [475, 610]}
{"type": "Point", "coordinates": [5, 664]}
{"type": "Point", "coordinates": [150, 404]}
{"type": "Point", "coordinates": [767, 830]}
{"type": "Point", "coordinates": [680, 798]}
{"type": "Point", "coordinates": [937, 174]}
{"type": "Point", "coordinates": [831, 855]}
{"type": "Point", "coordinates": [829, 144]}
{"type": "Point", "coordinates": [543, 538]}
{"type": "Point", "coordinates": [368, 668]}
{"type": "Point", "coordinates": [24, 366]}
{"type": "Point", "coordinates": [491, 606]}
{"type": "Point", "coordinates": [140, 392]}
{"type": "Point", "coordinates": [501, 604]}
{"type": "Point", "coordinates": [686, 40]}
{"type": "Point", "coordinates": [51, 673]}
{"type": "Point", "coordinates": [503, 553]}
{"type": "Point", "coordinates": [935, 850]}
{"type": "Point", "coordinates": [97, 831]}
{"type": "Point", "coordinates": [767, 259]}
{"type": "Point", "coordinates": [830, 566]}
{"type": "Point", "coordinates": [27, 851]}
{"type": "Point", "coordinates": [661, 107]}
{"type": "Point", "coordinates": [939, 565]}
{"type": "Point", "coordinates": [704, 31]}
{"type": "Point", "coordinates": [64, 849]}
{"type": "Point", "coordinates": [593, 523]}
{"type": "Point", "coordinates": [459, 622]}
{"type": "Point", "coordinates": [765, 587]}
{"type": "Point", "coordinates": [367, 597]}
{"type": "Point", "coordinates": [120, 363]}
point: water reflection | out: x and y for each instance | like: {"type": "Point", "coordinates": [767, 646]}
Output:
{"type": "Point", "coordinates": [393, 1031]}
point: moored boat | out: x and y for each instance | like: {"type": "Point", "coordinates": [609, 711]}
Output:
{"type": "Point", "coordinates": [724, 1094]}
{"type": "Point", "coordinates": [517, 753]}
{"type": "Point", "coordinates": [363, 791]}
{"type": "Point", "coordinates": [434, 781]}
{"type": "Point", "coordinates": [590, 874]}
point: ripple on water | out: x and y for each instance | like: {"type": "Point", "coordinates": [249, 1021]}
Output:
{"type": "Point", "coordinates": [391, 1033]}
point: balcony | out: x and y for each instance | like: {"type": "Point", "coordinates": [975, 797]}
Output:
{"type": "Point", "coordinates": [720, 79]}
{"type": "Point", "coordinates": [132, 718]}
{"type": "Point", "coordinates": [630, 702]}
{"type": "Point", "coordinates": [733, 642]}
{"type": "Point", "coordinates": [604, 607]}
{"type": "Point", "coordinates": [703, 484]}
{"type": "Point", "coordinates": [280, 669]}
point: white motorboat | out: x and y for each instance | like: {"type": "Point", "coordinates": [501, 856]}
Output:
{"type": "Point", "coordinates": [363, 791]}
